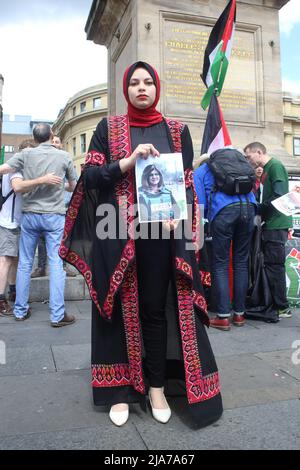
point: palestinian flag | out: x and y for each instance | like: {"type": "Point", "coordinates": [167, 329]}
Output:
{"type": "Point", "coordinates": [215, 135]}
{"type": "Point", "coordinates": [217, 53]}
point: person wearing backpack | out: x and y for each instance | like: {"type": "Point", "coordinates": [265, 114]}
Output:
{"type": "Point", "coordinates": [275, 225]}
{"type": "Point", "coordinates": [224, 187]}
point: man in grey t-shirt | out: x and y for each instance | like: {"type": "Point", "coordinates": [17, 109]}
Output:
{"type": "Point", "coordinates": [43, 213]}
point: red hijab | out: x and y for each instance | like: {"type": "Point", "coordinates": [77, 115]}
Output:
{"type": "Point", "coordinates": [142, 117]}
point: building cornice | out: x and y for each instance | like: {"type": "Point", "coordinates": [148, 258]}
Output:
{"type": "Point", "coordinates": [88, 92]}
{"type": "Point", "coordinates": [103, 20]}
{"type": "Point", "coordinates": [63, 123]}
{"type": "Point", "coordinates": [277, 4]}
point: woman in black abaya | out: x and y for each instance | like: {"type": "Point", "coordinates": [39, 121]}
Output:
{"type": "Point", "coordinates": [135, 342]}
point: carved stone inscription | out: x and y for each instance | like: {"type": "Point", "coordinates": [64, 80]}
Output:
{"type": "Point", "coordinates": [184, 45]}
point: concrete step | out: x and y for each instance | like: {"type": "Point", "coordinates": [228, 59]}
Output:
{"type": "Point", "coordinates": [75, 289]}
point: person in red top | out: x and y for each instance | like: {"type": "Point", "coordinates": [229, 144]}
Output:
{"type": "Point", "coordinates": [257, 188]}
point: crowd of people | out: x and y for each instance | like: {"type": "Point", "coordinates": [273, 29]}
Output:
{"type": "Point", "coordinates": [136, 342]}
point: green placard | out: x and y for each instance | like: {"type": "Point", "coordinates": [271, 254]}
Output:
{"type": "Point", "coordinates": [292, 267]}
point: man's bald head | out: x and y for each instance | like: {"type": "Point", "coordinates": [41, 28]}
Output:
{"type": "Point", "coordinates": [42, 132]}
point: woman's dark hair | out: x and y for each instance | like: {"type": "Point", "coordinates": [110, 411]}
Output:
{"type": "Point", "coordinates": [28, 143]}
{"type": "Point", "coordinates": [146, 175]}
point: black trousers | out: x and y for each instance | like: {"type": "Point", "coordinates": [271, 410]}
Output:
{"type": "Point", "coordinates": [273, 244]}
{"type": "Point", "coordinates": [154, 271]}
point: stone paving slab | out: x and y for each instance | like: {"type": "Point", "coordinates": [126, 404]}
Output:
{"type": "Point", "coordinates": [248, 380]}
{"type": "Point", "coordinates": [72, 357]}
{"type": "Point", "coordinates": [269, 426]}
{"type": "Point", "coordinates": [251, 340]}
{"type": "Point", "coordinates": [92, 438]}
{"type": "Point", "coordinates": [282, 361]}
{"type": "Point", "coordinates": [47, 402]}
{"type": "Point", "coordinates": [29, 360]}
{"type": "Point", "coordinates": [35, 331]}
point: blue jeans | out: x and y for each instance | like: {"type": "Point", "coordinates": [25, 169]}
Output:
{"type": "Point", "coordinates": [32, 226]}
{"type": "Point", "coordinates": [233, 223]}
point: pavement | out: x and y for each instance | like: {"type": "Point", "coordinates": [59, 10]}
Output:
{"type": "Point", "coordinates": [46, 400]}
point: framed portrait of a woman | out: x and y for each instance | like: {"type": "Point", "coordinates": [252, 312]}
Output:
{"type": "Point", "coordinates": [161, 188]}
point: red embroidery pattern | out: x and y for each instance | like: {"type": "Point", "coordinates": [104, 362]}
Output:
{"type": "Point", "coordinates": [95, 158]}
{"type": "Point", "coordinates": [205, 278]}
{"type": "Point", "coordinates": [176, 129]}
{"type": "Point", "coordinates": [129, 300]}
{"type": "Point", "coordinates": [198, 388]}
{"type": "Point", "coordinates": [196, 216]}
{"type": "Point", "coordinates": [71, 256]}
{"type": "Point", "coordinates": [200, 302]}
{"type": "Point", "coordinates": [84, 269]}
{"type": "Point", "coordinates": [114, 375]}
{"type": "Point", "coordinates": [120, 147]}
{"type": "Point", "coordinates": [188, 178]}
{"type": "Point", "coordinates": [184, 266]}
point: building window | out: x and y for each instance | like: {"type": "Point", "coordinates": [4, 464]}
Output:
{"type": "Point", "coordinates": [296, 145]}
{"type": "Point", "coordinates": [74, 111]}
{"type": "Point", "coordinates": [9, 148]}
{"type": "Point", "coordinates": [83, 143]}
{"type": "Point", "coordinates": [83, 106]}
{"type": "Point", "coordinates": [74, 146]}
{"type": "Point", "coordinates": [97, 103]}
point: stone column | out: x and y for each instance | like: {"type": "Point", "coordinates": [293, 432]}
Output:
{"type": "Point", "coordinates": [172, 36]}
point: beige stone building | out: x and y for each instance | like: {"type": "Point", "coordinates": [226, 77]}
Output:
{"type": "Point", "coordinates": [291, 119]}
{"type": "Point", "coordinates": [77, 121]}
{"type": "Point", "coordinates": [172, 36]}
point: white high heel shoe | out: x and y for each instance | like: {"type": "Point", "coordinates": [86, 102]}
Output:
{"type": "Point", "coordinates": [119, 417]}
{"type": "Point", "coordinates": [161, 415]}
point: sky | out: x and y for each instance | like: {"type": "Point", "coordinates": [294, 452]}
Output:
{"type": "Point", "coordinates": [45, 57]}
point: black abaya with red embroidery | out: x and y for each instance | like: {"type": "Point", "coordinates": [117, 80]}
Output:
{"type": "Point", "coordinates": [111, 270]}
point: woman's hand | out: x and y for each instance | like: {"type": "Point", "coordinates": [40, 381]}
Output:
{"type": "Point", "coordinates": [170, 225]}
{"type": "Point", "coordinates": [141, 151]}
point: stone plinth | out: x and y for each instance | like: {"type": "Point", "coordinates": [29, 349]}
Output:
{"type": "Point", "coordinates": [172, 36]}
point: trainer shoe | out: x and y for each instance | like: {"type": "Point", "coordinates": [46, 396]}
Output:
{"type": "Point", "coordinates": [220, 323]}
{"type": "Point", "coordinates": [25, 317]}
{"type": "Point", "coordinates": [65, 321]}
{"type": "Point", "coordinates": [284, 313]}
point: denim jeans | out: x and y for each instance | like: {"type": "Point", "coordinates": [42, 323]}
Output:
{"type": "Point", "coordinates": [32, 226]}
{"type": "Point", "coordinates": [233, 223]}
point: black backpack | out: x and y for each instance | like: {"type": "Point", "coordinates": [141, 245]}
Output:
{"type": "Point", "coordinates": [3, 199]}
{"type": "Point", "coordinates": [233, 173]}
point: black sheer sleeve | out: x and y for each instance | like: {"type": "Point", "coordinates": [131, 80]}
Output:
{"type": "Point", "coordinates": [99, 172]}
{"type": "Point", "coordinates": [187, 149]}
